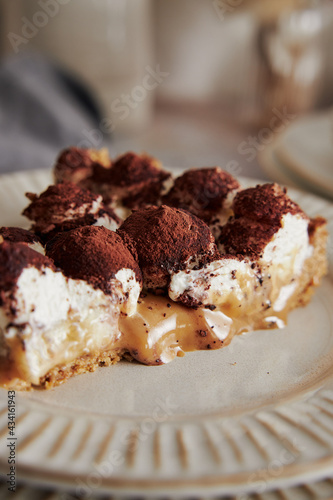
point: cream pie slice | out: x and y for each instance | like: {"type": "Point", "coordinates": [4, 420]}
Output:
{"type": "Point", "coordinates": [213, 261]}
{"type": "Point", "coordinates": [54, 323]}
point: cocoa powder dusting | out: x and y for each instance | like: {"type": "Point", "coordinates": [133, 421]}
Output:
{"type": "Point", "coordinates": [131, 168]}
{"type": "Point", "coordinates": [201, 191]}
{"type": "Point", "coordinates": [92, 253]}
{"type": "Point", "coordinates": [166, 239]}
{"type": "Point", "coordinates": [73, 164]}
{"type": "Point", "coordinates": [18, 235]}
{"type": "Point", "coordinates": [257, 217]}
{"type": "Point", "coordinates": [14, 257]}
{"type": "Point", "coordinates": [265, 203]}
{"type": "Point", "coordinates": [56, 200]}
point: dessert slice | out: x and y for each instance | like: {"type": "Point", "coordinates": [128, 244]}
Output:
{"type": "Point", "coordinates": [66, 206]}
{"type": "Point", "coordinates": [80, 305]}
{"type": "Point", "coordinates": [52, 325]}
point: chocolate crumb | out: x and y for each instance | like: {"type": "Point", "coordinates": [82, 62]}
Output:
{"type": "Point", "coordinates": [211, 307]}
{"type": "Point", "coordinates": [202, 333]}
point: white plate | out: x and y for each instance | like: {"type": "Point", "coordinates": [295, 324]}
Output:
{"type": "Point", "coordinates": [306, 149]}
{"type": "Point", "coordinates": [251, 417]}
{"type": "Point", "coordinates": [279, 172]}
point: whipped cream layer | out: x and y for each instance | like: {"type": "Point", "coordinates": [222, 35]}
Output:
{"type": "Point", "coordinates": [54, 318]}
{"type": "Point", "coordinates": [101, 258]}
{"type": "Point", "coordinates": [48, 319]}
{"type": "Point", "coordinates": [224, 280]}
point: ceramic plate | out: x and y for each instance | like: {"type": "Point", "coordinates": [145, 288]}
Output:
{"type": "Point", "coordinates": [253, 416]}
{"type": "Point", "coordinates": [306, 149]}
{"type": "Point", "coordinates": [278, 171]}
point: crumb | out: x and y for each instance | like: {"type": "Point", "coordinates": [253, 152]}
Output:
{"type": "Point", "coordinates": [211, 307]}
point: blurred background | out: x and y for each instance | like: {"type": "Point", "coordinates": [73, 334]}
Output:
{"type": "Point", "coordinates": [194, 82]}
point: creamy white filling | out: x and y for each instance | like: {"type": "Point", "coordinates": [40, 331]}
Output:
{"type": "Point", "coordinates": [163, 327]}
{"type": "Point", "coordinates": [278, 322]}
{"type": "Point", "coordinates": [42, 297]}
{"type": "Point", "coordinates": [131, 287]}
{"type": "Point", "coordinates": [285, 255]}
{"type": "Point", "coordinates": [120, 210]}
{"type": "Point", "coordinates": [57, 319]}
{"type": "Point", "coordinates": [219, 321]}
{"type": "Point", "coordinates": [215, 283]}
{"type": "Point", "coordinates": [228, 279]}
{"type": "Point", "coordinates": [291, 241]}
{"type": "Point", "coordinates": [167, 185]}
{"type": "Point", "coordinates": [106, 221]}
{"type": "Point", "coordinates": [285, 293]}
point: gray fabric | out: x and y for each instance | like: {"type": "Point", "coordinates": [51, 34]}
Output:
{"type": "Point", "coordinates": [42, 110]}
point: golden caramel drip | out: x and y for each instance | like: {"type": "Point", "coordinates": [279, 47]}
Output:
{"type": "Point", "coordinates": [162, 329]}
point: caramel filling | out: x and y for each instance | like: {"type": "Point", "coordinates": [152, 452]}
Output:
{"type": "Point", "coordinates": [161, 329]}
